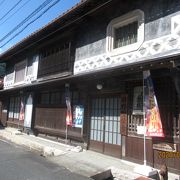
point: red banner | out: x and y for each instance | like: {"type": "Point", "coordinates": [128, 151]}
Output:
{"type": "Point", "coordinates": [21, 113]}
{"type": "Point", "coordinates": [69, 112]}
{"type": "Point", "coordinates": [68, 105]}
{"type": "Point", "coordinates": [153, 119]}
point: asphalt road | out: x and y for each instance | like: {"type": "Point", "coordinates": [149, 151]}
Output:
{"type": "Point", "coordinates": [16, 163]}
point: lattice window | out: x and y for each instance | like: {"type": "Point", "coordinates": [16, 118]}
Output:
{"type": "Point", "coordinates": [58, 98]}
{"type": "Point", "coordinates": [133, 122]}
{"type": "Point", "coordinates": [14, 107]}
{"type": "Point", "coordinates": [20, 70]}
{"type": "Point", "coordinates": [105, 120]}
{"type": "Point", "coordinates": [55, 60]}
{"type": "Point", "coordinates": [125, 35]}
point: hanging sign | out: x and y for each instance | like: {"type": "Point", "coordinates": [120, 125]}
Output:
{"type": "Point", "coordinates": [78, 116]}
{"type": "Point", "coordinates": [153, 119]}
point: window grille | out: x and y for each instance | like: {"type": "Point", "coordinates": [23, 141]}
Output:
{"type": "Point", "coordinates": [126, 35]}
{"type": "Point", "coordinates": [20, 71]}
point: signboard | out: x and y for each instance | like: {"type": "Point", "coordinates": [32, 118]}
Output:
{"type": "Point", "coordinates": [78, 116]}
{"type": "Point", "coordinates": [123, 124]}
{"type": "Point", "coordinates": [169, 147]}
{"type": "Point", "coordinates": [141, 129]}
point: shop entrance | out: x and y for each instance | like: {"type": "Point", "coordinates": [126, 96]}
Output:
{"type": "Point", "coordinates": [105, 134]}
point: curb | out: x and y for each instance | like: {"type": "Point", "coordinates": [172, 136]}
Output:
{"type": "Point", "coordinates": [44, 150]}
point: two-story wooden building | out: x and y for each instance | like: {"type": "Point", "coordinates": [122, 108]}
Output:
{"type": "Point", "coordinates": [100, 48]}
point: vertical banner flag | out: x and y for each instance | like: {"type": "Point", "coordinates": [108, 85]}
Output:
{"type": "Point", "coordinates": [21, 114]}
{"type": "Point", "coordinates": [68, 104]}
{"type": "Point", "coordinates": [153, 119]}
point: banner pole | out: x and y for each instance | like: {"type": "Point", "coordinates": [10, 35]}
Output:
{"type": "Point", "coordinates": [144, 117]}
{"type": "Point", "coordinates": [66, 132]}
{"type": "Point", "coordinates": [82, 130]}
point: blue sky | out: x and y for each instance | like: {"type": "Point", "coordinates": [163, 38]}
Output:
{"type": "Point", "coordinates": [29, 7]}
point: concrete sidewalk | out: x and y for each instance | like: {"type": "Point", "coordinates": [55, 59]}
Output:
{"type": "Point", "coordinates": [86, 163]}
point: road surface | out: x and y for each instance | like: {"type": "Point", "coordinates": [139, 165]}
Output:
{"type": "Point", "coordinates": [17, 163]}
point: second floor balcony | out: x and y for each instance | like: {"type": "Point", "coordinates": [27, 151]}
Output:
{"type": "Point", "coordinates": [55, 61]}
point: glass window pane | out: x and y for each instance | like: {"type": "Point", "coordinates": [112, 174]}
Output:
{"type": "Point", "coordinates": [99, 124]}
{"type": "Point", "coordinates": [118, 127]}
{"type": "Point", "coordinates": [126, 35]}
{"type": "Point", "coordinates": [92, 135]}
{"type": "Point", "coordinates": [95, 135]}
{"type": "Point", "coordinates": [110, 126]}
{"type": "Point", "coordinates": [101, 135]}
{"type": "Point", "coordinates": [98, 135]}
{"type": "Point", "coordinates": [114, 138]}
{"type": "Point", "coordinates": [115, 126]}
{"type": "Point", "coordinates": [119, 139]}
{"type": "Point", "coordinates": [95, 124]}
{"type": "Point", "coordinates": [20, 71]}
{"type": "Point", "coordinates": [102, 125]}
{"type": "Point", "coordinates": [107, 126]}
{"type": "Point", "coordinates": [92, 124]}
{"type": "Point", "coordinates": [106, 137]}
{"type": "Point", "coordinates": [110, 138]}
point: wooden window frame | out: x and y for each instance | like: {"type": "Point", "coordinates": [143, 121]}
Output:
{"type": "Point", "coordinates": [24, 64]}
{"type": "Point", "coordinates": [136, 15]}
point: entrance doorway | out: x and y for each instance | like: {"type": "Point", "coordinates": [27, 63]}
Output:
{"type": "Point", "coordinates": [105, 134]}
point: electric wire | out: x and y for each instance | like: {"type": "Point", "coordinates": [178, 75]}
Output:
{"type": "Point", "coordinates": [37, 10]}
{"type": "Point", "coordinates": [47, 9]}
{"type": "Point", "coordinates": [10, 10]}
{"type": "Point", "coordinates": [51, 33]}
{"type": "Point", "coordinates": [15, 12]}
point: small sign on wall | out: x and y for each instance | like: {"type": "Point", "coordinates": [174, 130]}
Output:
{"type": "Point", "coordinates": [78, 116]}
{"type": "Point", "coordinates": [169, 147]}
{"type": "Point", "coordinates": [123, 124]}
{"type": "Point", "coordinates": [141, 129]}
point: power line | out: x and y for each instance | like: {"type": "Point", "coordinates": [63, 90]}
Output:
{"type": "Point", "coordinates": [10, 10]}
{"type": "Point", "coordinates": [31, 22]}
{"type": "Point", "coordinates": [43, 5]}
{"type": "Point", "coordinates": [15, 12]}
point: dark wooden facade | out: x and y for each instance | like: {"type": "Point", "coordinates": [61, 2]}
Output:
{"type": "Point", "coordinates": [77, 54]}
{"type": "Point", "coordinates": [133, 143]}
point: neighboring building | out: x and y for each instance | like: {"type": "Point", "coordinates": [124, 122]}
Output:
{"type": "Point", "coordinates": [100, 48]}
